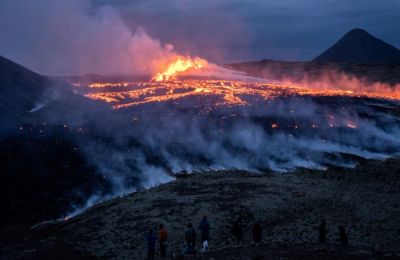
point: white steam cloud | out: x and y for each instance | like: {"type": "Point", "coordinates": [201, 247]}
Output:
{"type": "Point", "coordinates": [141, 146]}
{"type": "Point", "coordinates": [72, 37]}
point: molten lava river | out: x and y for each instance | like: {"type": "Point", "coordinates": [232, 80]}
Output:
{"type": "Point", "coordinates": [228, 93]}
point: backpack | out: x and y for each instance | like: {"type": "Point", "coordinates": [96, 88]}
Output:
{"type": "Point", "coordinates": [205, 246]}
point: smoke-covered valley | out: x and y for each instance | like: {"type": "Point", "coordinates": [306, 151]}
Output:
{"type": "Point", "coordinates": [144, 145]}
{"type": "Point", "coordinates": [149, 142]}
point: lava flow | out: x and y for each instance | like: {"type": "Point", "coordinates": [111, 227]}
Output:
{"type": "Point", "coordinates": [165, 86]}
{"type": "Point", "coordinates": [227, 92]}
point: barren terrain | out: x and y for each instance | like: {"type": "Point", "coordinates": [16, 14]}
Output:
{"type": "Point", "coordinates": [290, 206]}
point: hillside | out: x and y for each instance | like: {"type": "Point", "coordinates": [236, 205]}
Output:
{"type": "Point", "coordinates": [29, 98]}
{"type": "Point", "coordinates": [43, 174]}
{"type": "Point", "coordinates": [289, 207]}
{"type": "Point", "coordinates": [20, 90]}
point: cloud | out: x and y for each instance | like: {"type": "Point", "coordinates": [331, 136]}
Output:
{"type": "Point", "coordinates": [245, 30]}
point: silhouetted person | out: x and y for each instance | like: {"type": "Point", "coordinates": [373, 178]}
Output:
{"type": "Point", "coordinates": [151, 244]}
{"type": "Point", "coordinates": [190, 238]}
{"type": "Point", "coordinates": [322, 231]}
{"type": "Point", "coordinates": [162, 236]}
{"type": "Point", "coordinates": [257, 233]}
{"type": "Point", "coordinates": [343, 236]}
{"type": "Point", "coordinates": [237, 230]}
{"type": "Point", "coordinates": [204, 228]}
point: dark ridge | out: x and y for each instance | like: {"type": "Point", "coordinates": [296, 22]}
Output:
{"type": "Point", "coordinates": [42, 172]}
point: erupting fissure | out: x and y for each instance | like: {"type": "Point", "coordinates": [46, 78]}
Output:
{"type": "Point", "coordinates": [165, 86]}
{"type": "Point", "coordinates": [180, 65]}
{"type": "Point", "coordinates": [229, 93]}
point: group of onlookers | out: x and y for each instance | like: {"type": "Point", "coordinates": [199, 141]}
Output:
{"type": "Point", "coordinates": [237, 231]}
{"type": "Point", "coordinates": [204, 228]}
{"type": "Point", "coordinates": [322, 234]}
{"type": "Point", "coordinates": [190, 239]}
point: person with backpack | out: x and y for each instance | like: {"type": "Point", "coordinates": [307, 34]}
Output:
{"type": "Point", "coordinates": [204, 228]}
{"type": "Point", "coordinates": [162, 236]}
{"type": "Point", "coordinates": [190, 238]}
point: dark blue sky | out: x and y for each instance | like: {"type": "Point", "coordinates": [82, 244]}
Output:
{"type": "Point", "coordinates": [232, 30]}
{"type": "Point", "coordinates": [101, 36]}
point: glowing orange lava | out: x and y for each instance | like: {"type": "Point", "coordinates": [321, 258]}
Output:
{"type": "Point", "coordinates": [229, 93]}
{"type": "Point", "coordinates": [179, 65]}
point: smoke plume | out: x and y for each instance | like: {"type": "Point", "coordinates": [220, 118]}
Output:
{"type": "Point", "coordinates": [72, 38]}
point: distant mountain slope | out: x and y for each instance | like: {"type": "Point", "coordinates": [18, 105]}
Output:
{"type": "Point", "coordinates": [24, 92]}
{"type": "Point", "coordinates": [43, 173]}
{"type": "Point", "coordinates": [20, 89]}
{"type": "Point", "coordinates": [358, 46]}
{"type": "Point", "coordinates": [27, 98]}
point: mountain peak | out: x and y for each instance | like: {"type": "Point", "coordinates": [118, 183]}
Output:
{"type": "Point", "coordinates": [358, 31]}
{"type": "Point", "coordinates": [359, 46]}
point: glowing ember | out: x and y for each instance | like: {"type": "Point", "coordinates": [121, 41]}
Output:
{"type": "Point", "coordinates": [179, 65]}
{"type": "Point", "coordinates": [102, 85]}
{"type": "Point", "coordinates": [351, 125]}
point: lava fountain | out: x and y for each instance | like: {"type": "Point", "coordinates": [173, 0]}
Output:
{"type": "Point", "coordinates": [179, 65]}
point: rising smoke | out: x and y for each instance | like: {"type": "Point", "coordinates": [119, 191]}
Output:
{"type": "Point", "coordinates": [72, 37]}
{"type": "Point", "coordinates": [142, 146]}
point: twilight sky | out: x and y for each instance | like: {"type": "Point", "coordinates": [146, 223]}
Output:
{"type": "Point", "coordinates": [219, 30]}
{"type": "Point", "coordinates": [234, 30]}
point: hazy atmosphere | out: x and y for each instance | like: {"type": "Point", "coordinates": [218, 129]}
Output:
{"type": "Point", "coordinates": [220, 31]}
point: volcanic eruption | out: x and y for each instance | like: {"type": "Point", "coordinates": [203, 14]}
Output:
{"type": "Point", "coordinates": [179, 65]}
{"type": "Point", "coordinates": [143, 120]}
{"type": "Point", "coordinates": [181, 113]}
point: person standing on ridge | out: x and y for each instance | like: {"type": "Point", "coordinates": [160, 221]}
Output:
{"type": "Point", "coordinates": [190, 238]}
{"type": "Point", "coordinates": [257, 233]}
{"type": "Point", "coordinates": [322, 231]}
{"type": "Point", "coordinates": [343, 236]}
{"type": "Point", "coordinates": [151, 244]}
{"type": "Point", "coordinates": [162, 236]}
{"type": "Point", "coordinates": [204, 228]}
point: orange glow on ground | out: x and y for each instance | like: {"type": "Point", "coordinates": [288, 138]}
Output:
{"type": "Point", "coordinates": [230, 93]}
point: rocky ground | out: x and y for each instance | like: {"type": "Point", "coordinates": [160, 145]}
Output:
{"type": "Point", "coordinates": [290, 206]}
